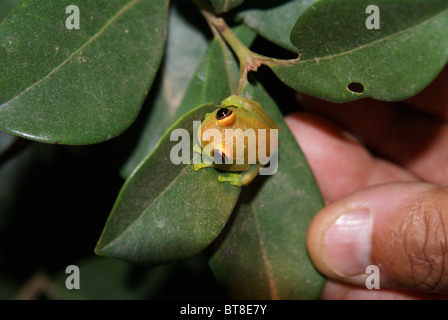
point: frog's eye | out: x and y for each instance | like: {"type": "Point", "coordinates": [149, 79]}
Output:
{"type": "Point", "coordinates": [225, 116]}
{"type": "Point", "coordinates": [223, 113]}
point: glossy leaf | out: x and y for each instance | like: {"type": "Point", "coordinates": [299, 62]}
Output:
{"type": "Point", "coordinates": [109, 279]}
{"type": "Point", "coordinates": [167, 212]}
{"type": "Point", "coordinates": [343, 60]}
{"type": "Point", "coordinates": [184, 48]}
{"type": "Point", "coordinates": [261, 253]}
{"type": "Point", "coordinates": [78, 86]}
{"type": "Point", "coordinates": [221, 6]}
{"type": "Point", "coordinates": [209, 84]}
{"type": "Point", "coordinates": [6, 6]}
{"type": "Point", "coordinates": [215, 78]}
{"type": "Point", "coordinates": [264, 17]}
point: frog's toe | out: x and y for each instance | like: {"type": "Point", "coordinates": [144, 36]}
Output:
{"type": "Point", "coordinates": [198, 166]}
{"type": "Point", "coordinates": [233, 178]}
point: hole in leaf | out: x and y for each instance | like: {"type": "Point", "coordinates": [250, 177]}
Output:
{"type": "Point", "coordinates": [356, 87]}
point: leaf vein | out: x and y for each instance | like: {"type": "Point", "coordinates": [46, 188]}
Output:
{"type": "Point", "coordinates": [265, 259]}
{"type": "Point", "coordinates": [361, 47]}
{"type": "Point", "coordinates": [168, 187]}
{"type": "Point", "coordinates": [78, 51]}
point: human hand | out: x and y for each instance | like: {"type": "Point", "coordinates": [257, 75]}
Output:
{"type": "Point", "coordinates": [382, 169]}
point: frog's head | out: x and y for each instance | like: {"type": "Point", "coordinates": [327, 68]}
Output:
{"type": "Point", "coordinates": [214, 125]}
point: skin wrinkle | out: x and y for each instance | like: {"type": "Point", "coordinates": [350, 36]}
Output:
{"type": "Point", "coordinates": [414, 255]}
{"type": "Point", "coordinates": [419, 265]}
{"type": "Point", "coordinates": [406, 250]}
{"type": "Point", "coordinates": [432, 261]}
{"type": "Point", "coordinates": [426, 260]}
{"type": "Point", "coordinates": [435, 252]}
{"type": "Point", "coordinates": [444, 248]}
{"type": "Point", "coordinates": [416, 264]}
{"type": "Point", "coordinates": [427, 255]}
{"type": "Point", "coordinates": [442, 235]}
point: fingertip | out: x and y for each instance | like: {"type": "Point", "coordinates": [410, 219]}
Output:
{"type": "Point", "coordinates": [399, 228]}
{"type": "Point", "coordinates": [339, 242]}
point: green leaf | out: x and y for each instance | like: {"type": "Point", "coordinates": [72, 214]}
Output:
{"type": "Point", "coordinates": [343, 60]}
{"type": "Point", "coordinates": [264, 18]}
{"type": "Point", "coordinates": [184, 48]}
{"type": "Point", "coordinates": [215, 78]}
{"type": "Point", "coordinates": [261, 254]}
{"type": "Point", "coordinates": [109, 279]}
{"type": "Point", "coordinates": [211, 82]}
{"type": "Point", "coordinates": [167, 212]}
{"type": "Point", "coordinates": [6, 6]}
{"type": "Point", "coordinates": [78, 86]}
{"type": "Point", "coordinates": [222, 6]}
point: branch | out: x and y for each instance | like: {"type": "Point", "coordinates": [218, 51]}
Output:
{"type": "Point", "coordinates": [249, 60]}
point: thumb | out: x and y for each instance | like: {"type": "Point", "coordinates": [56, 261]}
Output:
{"type": "Point", "coordinates": [401, 228]}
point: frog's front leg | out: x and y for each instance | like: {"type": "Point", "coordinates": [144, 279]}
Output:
{"type": "Point", "coordinates": [201, 165]}
{"type": "Point", "coordinates": [244, 178]}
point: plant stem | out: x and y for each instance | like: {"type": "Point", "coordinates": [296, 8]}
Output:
{"type": "Point", "coordinates": [249, 60]}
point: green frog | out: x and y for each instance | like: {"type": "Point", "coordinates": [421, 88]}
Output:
{"type": "Point", "coordinates": [245, 118]}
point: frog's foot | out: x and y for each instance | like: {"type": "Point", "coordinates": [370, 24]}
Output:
{"type": "Point", "coordinates": [233, 178]}
{"type": "Point", "coordinates": [198, 166]}
{"type": "Point", "coordinates": [242, 179]}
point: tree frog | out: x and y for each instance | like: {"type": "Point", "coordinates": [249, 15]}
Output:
{"type": "Point", "coordinates": [235, 113]}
